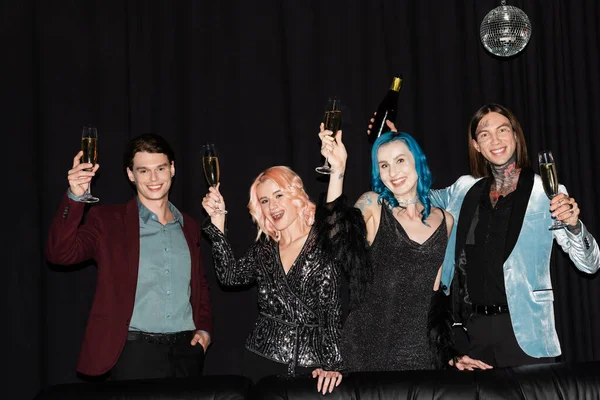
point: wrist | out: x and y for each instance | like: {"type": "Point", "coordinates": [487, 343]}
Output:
{"type": "Point", "coordinates": [339, 169]}
{"type": "Point", "coordinates": [575, 229]}
{"type": "Point", "coordinates": [217, 218]}
{"type": "Point", "coordinates": [75, 195]}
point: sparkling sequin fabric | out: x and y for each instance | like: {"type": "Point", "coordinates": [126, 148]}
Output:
{"type": "Point", "coordinates": [389, 330]}
{"type": "Point", "coordinates": [299, 320]}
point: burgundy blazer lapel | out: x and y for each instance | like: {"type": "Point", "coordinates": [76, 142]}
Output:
{"type": "Point", "coordinates": [132, 233]}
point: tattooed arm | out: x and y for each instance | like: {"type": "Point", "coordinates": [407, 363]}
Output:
{"type": "Point", "coordinates": [368, 206]}
{"type": "Point", "coordinates": [335, 152]}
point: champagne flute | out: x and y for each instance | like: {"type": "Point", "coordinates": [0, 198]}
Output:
{"type": "Point", "coordinates": [549, 180]}
{"type": "Point", "coordinates": [210, 164]}
{"type": "Point", "coordinates": [89, 146]}
{"type": "Point", "coordinates": [333, 122]}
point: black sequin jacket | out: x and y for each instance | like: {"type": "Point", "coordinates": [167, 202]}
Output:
{"type": "Point", "coordinates": [299, 322]}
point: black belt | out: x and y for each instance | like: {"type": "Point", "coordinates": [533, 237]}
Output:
{"type": "Point", "coordinates": [159, 338]}
{"type": "Point", "coordinates": [490, 310]}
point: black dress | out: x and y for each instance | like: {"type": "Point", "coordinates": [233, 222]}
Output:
{"type": "Point", "coordinates": [389, 330]}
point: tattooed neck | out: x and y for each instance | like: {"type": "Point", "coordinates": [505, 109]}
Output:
{"type": "Point", "coordinates": [506, 177]}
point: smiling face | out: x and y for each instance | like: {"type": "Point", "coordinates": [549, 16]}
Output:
{"type": "Point", "coordinates": [277, 207]}
{"type": "Point", "coordinates": [152, 175]}
{"type": "Point", "coordinates": [495, 139]}
{"type": "Point", "coordinates": [397, 169]}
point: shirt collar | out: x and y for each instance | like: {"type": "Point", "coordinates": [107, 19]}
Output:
{"type": "Point", "coordinates": [146, 214]}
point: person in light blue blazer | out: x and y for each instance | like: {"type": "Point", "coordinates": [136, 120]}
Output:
{"type": "Point", "coordinates": [497, 263]}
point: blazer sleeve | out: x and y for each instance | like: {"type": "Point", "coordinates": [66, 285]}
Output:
{"type": "Point", "coordinates": [582, 248]}
{"type": "Point", "coordinates": [441, 198]}
{"type": "Point", "coordinates": [69, 241]}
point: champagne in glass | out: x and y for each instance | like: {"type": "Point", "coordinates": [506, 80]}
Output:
{"type": "Point", "coordinates": [210, 164]}
{"type": "Point", "coordinates": [549, 180]}
{"type": "Point", "coordinates": [333, 122]}
{"type": "Point", "coordinates": [89, 146]}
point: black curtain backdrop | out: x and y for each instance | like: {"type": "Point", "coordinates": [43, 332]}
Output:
{"type": "Point", "coordinates": [254, 76]}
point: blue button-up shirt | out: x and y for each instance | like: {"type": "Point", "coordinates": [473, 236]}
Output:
{"type": "Point", "coordinates": [162, 298]}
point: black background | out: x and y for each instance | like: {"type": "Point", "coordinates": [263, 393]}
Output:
{"type": "Point", "coordinates": [254, 77]}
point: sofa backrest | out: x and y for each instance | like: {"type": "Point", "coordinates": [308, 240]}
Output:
{"type": "Point", "coordinates": [543, 382]}
{"type": "Point", "coordinates": [218, 387]}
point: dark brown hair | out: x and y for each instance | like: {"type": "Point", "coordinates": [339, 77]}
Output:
{"type": "Point", "coordinates": [479, 165]}
{"type": "Point", "coordinates": [148, 143]}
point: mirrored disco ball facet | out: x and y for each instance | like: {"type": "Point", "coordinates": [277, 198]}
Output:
{"type": "Point", "coordinates": [505, 31]}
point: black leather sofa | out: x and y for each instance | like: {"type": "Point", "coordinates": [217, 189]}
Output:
{"type": "Point", "coordinates": [544, 382]}
{"type": "Point", "coordinates": [218, 387]}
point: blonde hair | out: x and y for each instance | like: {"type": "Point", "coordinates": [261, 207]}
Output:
{"type": "Point", "coordinates": [291, 185]}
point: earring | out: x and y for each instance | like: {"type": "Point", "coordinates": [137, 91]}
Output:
{"type": "Point", "coordinates": [277, 235]}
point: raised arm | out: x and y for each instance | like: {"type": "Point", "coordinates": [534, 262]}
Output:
{"type": "Point", "coordinates": [229, 271]}
{"type": "Point", "coordinates": [335, 152]}
{"type": "Point", "coordinates": [68, 241]}
{"type": "Point", "coordinates": [214, 205]}
{"type": "Point", "coordinates": [575, 240]}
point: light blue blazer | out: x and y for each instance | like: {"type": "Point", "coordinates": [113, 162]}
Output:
{"type": "Point", "coordinates": [527, 268]}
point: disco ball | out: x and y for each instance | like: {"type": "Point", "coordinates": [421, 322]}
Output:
{"type": "Point", "coordinates": [505, 30]}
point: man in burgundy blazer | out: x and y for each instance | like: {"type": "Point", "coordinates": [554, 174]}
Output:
{"type": "Point", "coordinates": [152, 305]}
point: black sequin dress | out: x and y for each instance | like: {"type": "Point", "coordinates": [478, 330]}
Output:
{"type": "Point", "coordinates": [299, 322]}
{"type": "Point", "coordinates": [389, 330]}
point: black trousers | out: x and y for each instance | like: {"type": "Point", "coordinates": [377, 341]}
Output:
{"type": "Point", "coordinates": [141, 359]}
{"type": "Point", "coordinates": [257, 367]}
{"type": "Point", "coordinates": [493, 341]}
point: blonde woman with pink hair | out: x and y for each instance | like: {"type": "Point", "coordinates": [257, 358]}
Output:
{"type": "Point", "coordinates": [296, 263]}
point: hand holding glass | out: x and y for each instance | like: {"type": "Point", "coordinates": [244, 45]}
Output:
{"type": "Point", "coordinates": [89, 146]}
{"type": "Point", "coordinates": [210, 164]}
{"type": "Point", "coordinates": [333, 122]}
{"type": "Point", "coordinates": [549, 180]}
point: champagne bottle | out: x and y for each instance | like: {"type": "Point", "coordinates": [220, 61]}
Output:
{"type": "Point", "coordinates": [387, 110]}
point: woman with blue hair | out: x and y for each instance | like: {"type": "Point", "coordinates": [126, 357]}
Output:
{"type": "Point", "coordinates": [408, 239]}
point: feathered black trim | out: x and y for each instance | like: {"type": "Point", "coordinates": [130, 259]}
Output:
{"type": "Point", "coordinates": [439, 328]}
{"type": "Point", "coordinates": [342, 231]}
{"type": "Point", "coordinates": [447, 317]}
{"type": "Point", "coordinates": [461, 303]}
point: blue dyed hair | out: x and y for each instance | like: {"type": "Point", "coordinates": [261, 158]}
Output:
{"type": "Point", "coordinates": [424, 174]}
